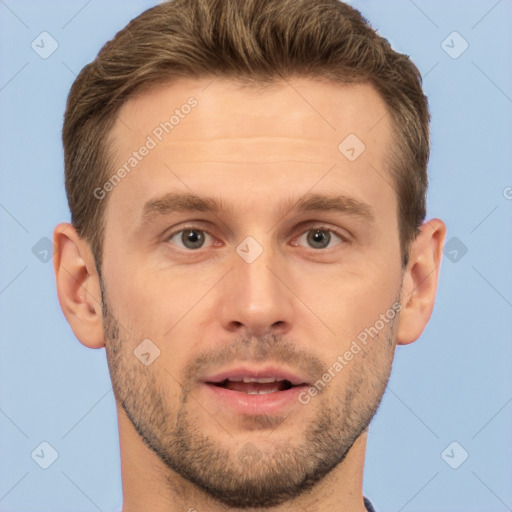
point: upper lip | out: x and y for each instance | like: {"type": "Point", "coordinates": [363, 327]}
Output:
{"type": "Point", "coordinates": [239, 372]}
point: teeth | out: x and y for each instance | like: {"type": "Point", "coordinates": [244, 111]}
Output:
{"type": "Point", "coordinates": [265, 380]}
{"type": "Point", "coordinates": [260, 392]}
{"type": "Point", "coordinates": [249, 379]}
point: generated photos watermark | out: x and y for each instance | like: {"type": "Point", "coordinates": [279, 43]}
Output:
{"type": "Point", "coordinates": [355, 348]}
{"type": "Point", "coordinates": [152, 140]}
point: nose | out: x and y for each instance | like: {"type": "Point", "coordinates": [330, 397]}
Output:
{"type": "Point", "coordinates": [256, 300]}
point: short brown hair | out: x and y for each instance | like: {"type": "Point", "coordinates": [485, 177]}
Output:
{"type": "Point", "coordinates": [254, 42]}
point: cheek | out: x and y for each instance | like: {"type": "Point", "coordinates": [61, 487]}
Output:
{"type": "Point", "coordinates": [349, 302]}
{"type": "Point", "coordinates": [366, 358]}
{"type": "Point", "coordinates": [150, 300]}
{"type": "Point", "coordinates": [164, 307]}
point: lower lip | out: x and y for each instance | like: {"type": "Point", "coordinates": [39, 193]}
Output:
{"type": "Point", "coordinates": [267, 403]}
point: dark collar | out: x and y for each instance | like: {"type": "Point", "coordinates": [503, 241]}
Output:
{"type": "Point", "coordinates": [368, 505]}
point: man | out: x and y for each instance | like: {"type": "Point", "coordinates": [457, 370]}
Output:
{"type": "Point", "coordinates": [247, 188]}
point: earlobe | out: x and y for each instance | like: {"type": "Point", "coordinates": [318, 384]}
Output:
{"type": "Point", "coordinates": [420, 281]}
{"type": "Point", "coordinates": [78, 285]}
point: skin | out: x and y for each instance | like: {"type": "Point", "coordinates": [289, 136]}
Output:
{"type": "Point", "coordinates": [296, 305]}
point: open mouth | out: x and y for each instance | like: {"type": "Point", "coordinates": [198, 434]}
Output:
{"type": "Point", "coordinates": [253, 386]}
{"type": "Point", "coordinates": [269, 390]}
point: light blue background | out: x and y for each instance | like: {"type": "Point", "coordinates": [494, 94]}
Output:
{"type": "Point", "coordinates": [454, 384]}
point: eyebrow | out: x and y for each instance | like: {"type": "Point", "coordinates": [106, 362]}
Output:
{"type": "Point", "coordinates": [311, 202]}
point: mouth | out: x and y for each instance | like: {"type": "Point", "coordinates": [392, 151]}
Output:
{"type": "Point", "coordinates": [255, 391]}
{"type": "Point", "coordinates": [256, 381]}
{"type": "Point", "coordinates": [253, 386]}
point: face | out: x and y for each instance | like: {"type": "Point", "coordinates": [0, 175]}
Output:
{"type": "Point", "coordinates": [246, 242]}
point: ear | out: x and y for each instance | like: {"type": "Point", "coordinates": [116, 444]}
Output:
{"type": "Point", "coordinates": [78, 285]}
{"type": "Point", "coordinates": [420, 281]}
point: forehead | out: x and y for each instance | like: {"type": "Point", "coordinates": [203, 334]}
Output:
{"type": "Point", "coordinates": [299, 107]}
{"type": "Point", "coordinates": [206, 134]}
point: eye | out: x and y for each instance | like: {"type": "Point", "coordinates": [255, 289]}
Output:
{"type": "Point", "coordinates": [320, 238]}
{"type": "Point", "coordinates": [189, 238]}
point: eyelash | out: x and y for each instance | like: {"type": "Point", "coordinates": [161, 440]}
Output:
{"type": "Point", "coordinates": [342, 237]}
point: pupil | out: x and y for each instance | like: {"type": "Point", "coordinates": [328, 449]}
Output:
{"type": "Point", "coordinates": [192, 239]}
{"type": "Point", "coordinates": [320, 237]}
